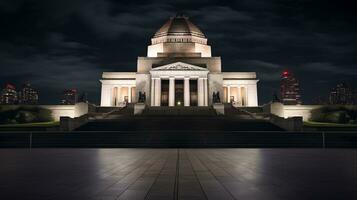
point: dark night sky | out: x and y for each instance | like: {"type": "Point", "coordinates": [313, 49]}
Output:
{"type": "Point", "coordinates": [58, 44]}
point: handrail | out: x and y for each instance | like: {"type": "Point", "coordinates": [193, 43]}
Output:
{"type": "Point", "coordinates": [105, 115]}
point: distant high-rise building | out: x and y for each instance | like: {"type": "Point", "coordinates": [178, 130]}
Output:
{"type": "Point", "coordinates": [9, 95]}
{"type": "Point", "coordinates": [28, 95]}
{"type": "Point", "coordinates": [275, 98]}
{"type": "Point", "coordinates": [83, 97]}
{"type": "Point", "coordinates": [341, 95]}
{"type": "Point", "coordinates": [290, 91]}
{"type": "Point", "coordinates": [319, 100]}
{"type": "Point", "coordinates": [70, 97]}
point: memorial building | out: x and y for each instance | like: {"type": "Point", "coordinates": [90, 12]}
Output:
{"type": "Point", "coordinates": [179, 70]}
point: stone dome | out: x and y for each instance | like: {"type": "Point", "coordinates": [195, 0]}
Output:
{"type": "Point", "coordinates": [179, 26]}
{"type": "Point", "coordinates": [179, 37]}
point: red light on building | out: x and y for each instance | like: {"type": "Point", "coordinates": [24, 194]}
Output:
{"type": "Point", "coordinates": [290, 90]}
{"type": "Point", "coordinates": [285, 73]}
{"type": "Point", "coordinates": [10, 86]}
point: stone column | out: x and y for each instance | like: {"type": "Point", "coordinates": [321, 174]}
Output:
{"type": "Point", "coordinates": [114, 94]}
{"type": "Point", "coordinates": [200, 92]}
{"type": "Point", "coordinates": [205, 100]}
{"type": "Point", "coordinates": [172, 91]}
{"type": "Point", "coordinates": [239, 96]}
{"type": "Point", "coordinates": [107, 93]}
{"type": "Point", "coordinates": [152, 92]}
{"type": "Point", "coordinates": [129, 94]}
{"type": "Point", "coordinates": [252, 95]}
{"type": "Point", "coordinates": [119, 96]}
{"type": "Point", "coordinates": [157, 92]}
{"type": "Point", "coordinates": [187, 92]}
{"type": "Point", "coordinates": [229, 93]}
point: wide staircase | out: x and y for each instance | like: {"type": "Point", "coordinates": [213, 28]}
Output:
{"type": "Point", "coordinates": [179, 111]}
{"type": "Point", "coordinates": [194, 119]}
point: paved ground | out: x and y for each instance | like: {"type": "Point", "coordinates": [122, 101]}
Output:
{"type": "Point", "coordinates": [178, 174]}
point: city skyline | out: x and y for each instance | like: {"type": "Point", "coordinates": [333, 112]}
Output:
{"type": "Point", "coordinates": [68, 44]}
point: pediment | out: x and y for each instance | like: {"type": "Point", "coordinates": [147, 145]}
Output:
{"type": "Point", "coordinates": [179, 66]}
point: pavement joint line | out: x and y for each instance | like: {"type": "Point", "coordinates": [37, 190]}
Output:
{"type": "Point", "coordinates": [162, 168]}
{"type": "Point", "coordinates": [177, 176]}
{"type": "Point", "coordinates": [153, 157]}
{"type": "Point", "coordinates": [226, 189]}
{"type": "Point", "coordinates": [196, 176]}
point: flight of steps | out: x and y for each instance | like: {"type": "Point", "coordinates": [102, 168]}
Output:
{"type": "Point", "coordinates": [178, 123]}
{"type": "Point", "coordinates": [231, 111]}
{"type": "Point", "coordinates": [179, 119]}
{"type": "Point", "coordinates": [126, 111]}
{"type": "Point", "coordinates": [177, 111]}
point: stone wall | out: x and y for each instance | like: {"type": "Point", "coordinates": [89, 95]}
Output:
{"type": "Point", "coordinates": [287, 111]}
{"type": "Point", "coordinates": [214, 85]}
{"type": "Point", "coordinates": [144, 64]}
{"type": "Point", "coordinates": [68, 110]}
{"type": "Point", "coordinates": [303, 111]}
{"type": "Point", "coordinates": [184, 48]}
{"type": "Point", "coordinates": [289, 124]}
{"type": "Point", "coordinates": [60, 110]}
{"type": "Point", "coordinates": [143, 83]}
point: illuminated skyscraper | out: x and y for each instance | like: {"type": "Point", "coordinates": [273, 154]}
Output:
{"type": "Point", "coordinates": [9, 95]}
{"type": "Point", "coordinates": [290, 90]}
{"type": "Point", "coordinates": [70, 97]}
{"type": "Point", "coordinates": [28, 95]}
{"type": "Point", "coordinates": [341, 95]}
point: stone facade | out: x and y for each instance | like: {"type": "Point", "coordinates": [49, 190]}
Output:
{"type": "Point", "coordinates": [179, 71]}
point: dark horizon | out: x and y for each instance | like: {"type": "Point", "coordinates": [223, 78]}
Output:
{"type": "Point", "coordinates": [60, 45]}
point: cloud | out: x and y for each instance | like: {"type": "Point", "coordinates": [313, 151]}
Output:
{"type": "Point", "coordinates": [137, 21]}
{"type": "Point", "coordinates": [330, 67]}
{"type": "Point", "coordinates": [58, 40]}
{"type": "Point", "coordinates": [219, 14]}
{"type": "Point", "coordinates": [259, 64]}
{"type": "Point", "coordinates": [266, 71]}
{"type": "Point", "coordinates": [10, 6]}
{"type": "Point", "coordinates": [65, 43]}
{"type": "Point", "coordinates": [53, 71]}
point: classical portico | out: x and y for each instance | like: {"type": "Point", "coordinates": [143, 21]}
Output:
{"type": "Point", "coordinates": [179, 70]}
{"type": "Point", "coordinates": [185, 73]}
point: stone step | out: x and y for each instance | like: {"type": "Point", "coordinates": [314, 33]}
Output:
{"type": "Point", "coordinates": [203, 111]}
{"type": "Point", "coordinates": [174, 123]}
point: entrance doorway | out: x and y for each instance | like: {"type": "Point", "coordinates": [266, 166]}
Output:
{"type": "Point", "coordinates": [179, 95]}
{"type": "Point", "coordinates": [164, 92]}
{"type": "Point", "coordinates": [193, 93]}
